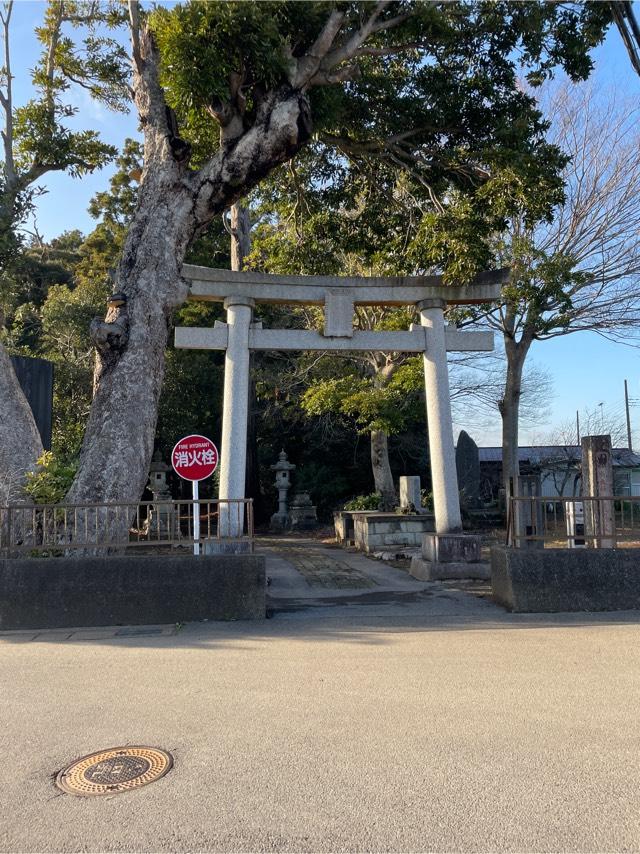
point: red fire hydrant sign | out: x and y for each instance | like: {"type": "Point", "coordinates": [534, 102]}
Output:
{"type": "Point", "coordinates": [194, 458]}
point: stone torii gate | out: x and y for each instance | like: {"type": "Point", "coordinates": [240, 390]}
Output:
{"type": "Point", "coordinates": [339, 295]}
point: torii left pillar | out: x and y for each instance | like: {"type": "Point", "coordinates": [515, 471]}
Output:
{"type": "Point", "coordinates": [235, 415]}
{"type": "Point", "coordinates": [442, 454]}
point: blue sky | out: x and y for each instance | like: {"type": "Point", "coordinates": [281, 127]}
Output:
{"type": "Point", "coordinates": [586, 369]}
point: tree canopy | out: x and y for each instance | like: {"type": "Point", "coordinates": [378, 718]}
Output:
{"type": "Point", "coordinates": [433, 90]}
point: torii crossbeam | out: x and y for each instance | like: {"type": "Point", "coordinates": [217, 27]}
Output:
{"type": "Point", "coordinates": [339, 295]}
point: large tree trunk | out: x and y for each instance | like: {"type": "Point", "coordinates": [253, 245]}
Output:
{"type": "Point", "coordinates": [175, 203]}
{"type": "Point", "coordinates": [20, 442]}
{"type": "Point", "coordinates": [131, 343]}
{"type": "Point", "coordinates": [382, 476]}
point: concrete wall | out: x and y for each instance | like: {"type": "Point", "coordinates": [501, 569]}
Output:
{"type": "Point", "coordinates": [343, 524]}
{"type": "Point", "coordinates": [129, 590]}
{"type": "Point", "coordinates": [548, 580]}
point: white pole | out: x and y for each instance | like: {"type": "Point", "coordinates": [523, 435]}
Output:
{"type": "Point", "coordinates": [235, 413]}
{"type": "Point", "coordinates": [444, 479]}
{"type": "Point", "coordinates": [196, 518]}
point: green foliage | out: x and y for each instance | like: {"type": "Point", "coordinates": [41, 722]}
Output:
{"type": "Point", "coordinates": [541, 279]}
{"type": "Point", "coordinates": [369, 403]}
{"type": "Point", "coordinates": [115, 207]}
{"type": "Point", "coordinates": [15, 207]}
{"type": "Point", "coordinates": [42, 138]}
{"type": "Point", "coordinates": [449, 112]}
{"type": "Point", "coordinates": [24, 284]}
{"type": "Point", "coordinates": [364, 502]}
{"type": "Point", "coordinates": [50, 483]}
{"type": "Point", "coordinates": [415, 166]}
{"type": "Point", "coordinates": [202, 44]}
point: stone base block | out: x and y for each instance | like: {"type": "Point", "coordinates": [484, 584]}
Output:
{"type": "Point", "coordinates": [374, 531]}
{"type": "Point", "coordinates": [60, 592]}
{"type": "Point", "coordinates": [451, 548]}
{"type": "Point", "coordinates": [279, 522]}
{"type": "Point", "coordinates": [425, 570]}
{"type": "Point", "coordinates": [343, 523]}
{"type": "Point", "coordinates": [226, 547]}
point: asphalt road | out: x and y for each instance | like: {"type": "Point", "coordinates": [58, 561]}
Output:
{"type": "Point", "coordinates": [434, 723]}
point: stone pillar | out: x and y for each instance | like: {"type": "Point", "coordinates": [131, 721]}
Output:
{"type": "Point", "coordinates": [597, 481]}
{"type": "Point", "coordinates": [446, 502]}
{"type": "Point", "coordinates": [235, 412]}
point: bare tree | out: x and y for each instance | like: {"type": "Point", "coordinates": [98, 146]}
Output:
{"type": "Point", "coordinates": [562, 459]}
{"type": "Point", "coordinates": [581, 272]}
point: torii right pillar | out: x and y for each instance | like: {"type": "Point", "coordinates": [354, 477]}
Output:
{"type": "Point", "coordinates": [448, 553]}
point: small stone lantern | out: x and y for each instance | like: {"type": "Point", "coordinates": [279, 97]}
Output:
{"type": "Point", "coordinates": [283, 469]}
{"type": "Point", "coordinates": [161, 519]}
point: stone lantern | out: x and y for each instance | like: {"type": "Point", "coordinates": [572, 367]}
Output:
{"type": "Point", "coordinates": [158, 479]}
{"type": "Point", "coordinates": [161, 518]}
{"type": "Point", "coordinates": [283, 469]}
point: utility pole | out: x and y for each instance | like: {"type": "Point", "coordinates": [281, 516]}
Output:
{"type": "Point", "coordinates": [626, 406]}
{"type": "Point", "coordinates": [578, 426]}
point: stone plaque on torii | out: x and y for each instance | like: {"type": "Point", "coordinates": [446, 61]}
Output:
{"type": "Point", "coordinates": [339, 295]}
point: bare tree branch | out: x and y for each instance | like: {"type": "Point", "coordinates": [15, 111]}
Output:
{"type": "Point", "coordinates": [134, 28]}
{"type": "Point", "coordinates": [6, 100]}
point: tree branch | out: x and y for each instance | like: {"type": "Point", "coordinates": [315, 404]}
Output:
{"type": "Point", "coordinates": [316, 67]}
{"type": "Point", "coordinates": [148, 93]}
{"type": "Point", "coordinates": [134, 29]}
{"type": "Point", "coordinates": [309, 64]}
{"type": "Point", "coordinates": [7, 104]}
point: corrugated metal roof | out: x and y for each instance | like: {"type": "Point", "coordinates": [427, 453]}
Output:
{"type": "Point", "coordinates": [536, 454]}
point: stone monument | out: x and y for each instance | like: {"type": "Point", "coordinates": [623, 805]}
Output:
{"type": "Point", "coordinates": [468, 470]}
{"type": "Point", "coordinates": [597, 483]}
{"type": "Point", "coordinates": [410, 498]}
{"type": "Point", "coordinates": [280, 520]}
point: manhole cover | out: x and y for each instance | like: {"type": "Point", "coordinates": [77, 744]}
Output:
{"type": "Point", "coordinates": [118, 769]}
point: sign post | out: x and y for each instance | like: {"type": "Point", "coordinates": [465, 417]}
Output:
{"type": "Point", "coordinates": [195, 458]}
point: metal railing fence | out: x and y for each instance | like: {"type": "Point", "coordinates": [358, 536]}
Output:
{"type": "Point", "coordinates": [580, 522]}
{"type": "Point", "coordinates": [59, 529]}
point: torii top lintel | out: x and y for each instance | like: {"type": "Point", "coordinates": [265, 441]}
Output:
{"type": "Point", "coordinates": [215, 285]}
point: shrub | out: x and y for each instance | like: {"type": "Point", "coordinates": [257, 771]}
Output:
{"type": "Point", "coordinates": [51, 480]}
{"type": "Point", "coordinates": [364, 502]}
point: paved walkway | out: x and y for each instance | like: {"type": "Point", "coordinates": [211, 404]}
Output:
{"type": "Point", "coordinates": [306, 574]}
{"type": "Point", "coordinates": [400, 716]}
